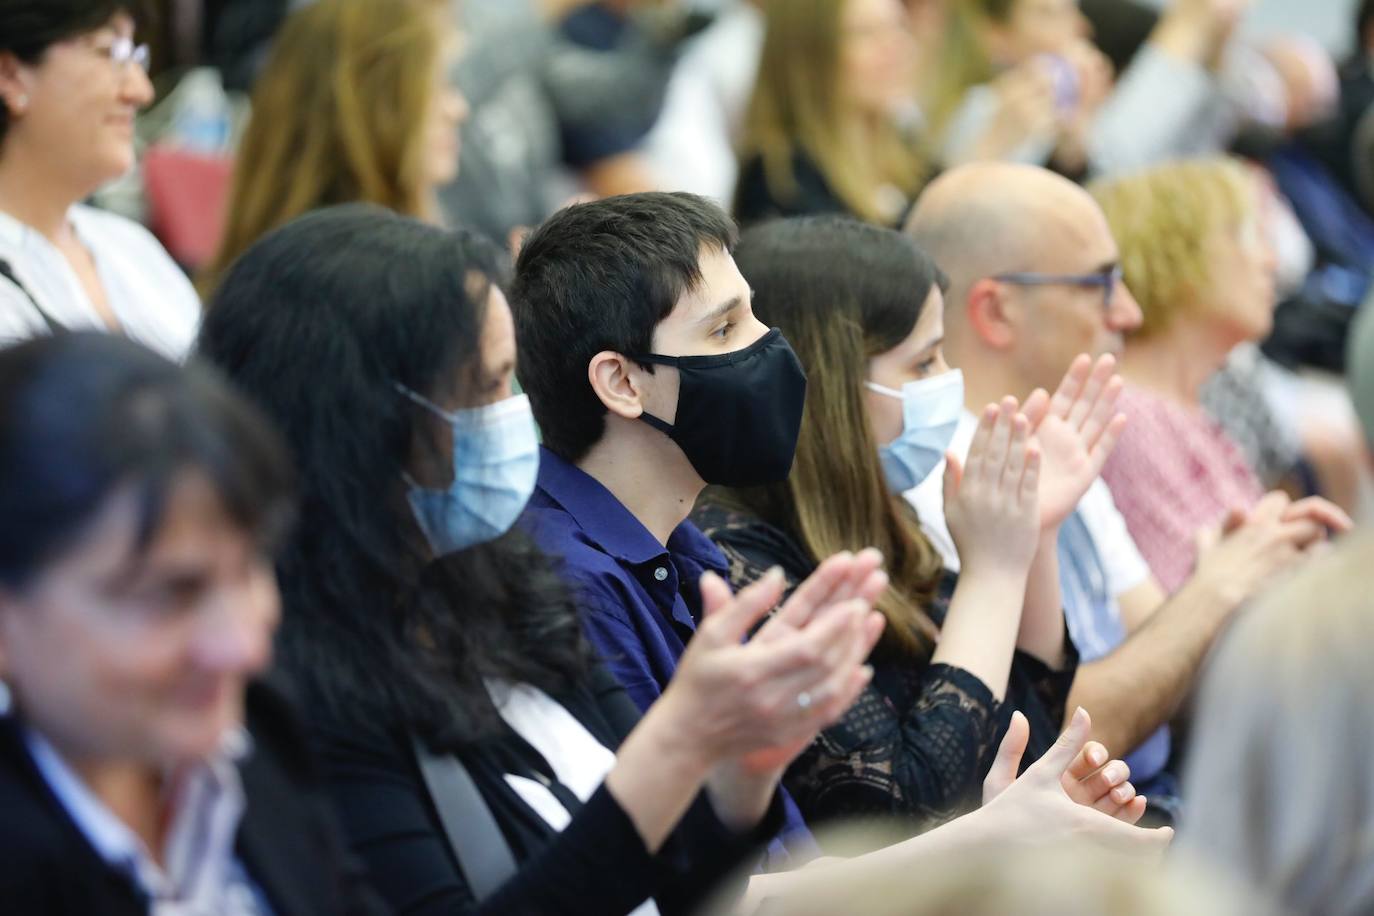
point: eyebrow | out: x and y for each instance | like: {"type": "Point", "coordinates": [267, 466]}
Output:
{"type": "Point", "coordinates": [931, 345]}
{"type": "Point", "coordinates": [721, 310]}
{"type": "Point", "coordinates": [1106, 266]}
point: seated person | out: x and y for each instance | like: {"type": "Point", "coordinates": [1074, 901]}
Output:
{"type": "Point", "coordinates": [1030, 260]}
{"type": "Point", "coordinates": [1195, 255]}
{"type": "Point", "coordinates": [144, 767]}
{"type": "Point", "coordinates": [828, 129]}
{"type": "Point", "coordinates": [630, 441]}
{"type": "Point", "coordinates": [72, 79]}
{"type": "Point", "coordinates": [424, 636]}
{"type": "Point", "coordinates": [864, 310]}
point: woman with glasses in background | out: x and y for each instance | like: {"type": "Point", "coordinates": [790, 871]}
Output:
{"type": "Point", "coordinates": [72, 80]}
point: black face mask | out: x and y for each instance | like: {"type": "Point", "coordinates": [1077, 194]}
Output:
{"type": "Point", "coordinates": [738, 414]}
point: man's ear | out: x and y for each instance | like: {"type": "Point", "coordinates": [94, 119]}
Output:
{"type": "Point", "coordinates": [615, 381]}
{"type": "Point", "coordinates": [989, 315]}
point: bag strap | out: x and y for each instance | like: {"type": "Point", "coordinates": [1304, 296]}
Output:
{"type": "Point", "coordinates": [7, 272]}
{"type": "Point", "coordinates": [473, 834]}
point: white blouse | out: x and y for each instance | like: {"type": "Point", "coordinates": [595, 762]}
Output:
{"type": "Point", "coordinates": [154, 301]}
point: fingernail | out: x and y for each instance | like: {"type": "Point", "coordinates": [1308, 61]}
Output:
{"type": "Point", "coordinates": [1097, 756]}
{"type": "Point", "coordinates": [1122, 794]}
{"type": "Point", "coordinates": [1115, 773]}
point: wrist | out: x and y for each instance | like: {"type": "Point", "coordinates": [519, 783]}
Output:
{"type": "Point", "coordinates": [739, 796]}
{"type": "Point", "coordinates": [673, 735]}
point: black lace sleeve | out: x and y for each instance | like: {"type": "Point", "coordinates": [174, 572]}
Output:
{"type": "Point", "coordinates": [919, 740]}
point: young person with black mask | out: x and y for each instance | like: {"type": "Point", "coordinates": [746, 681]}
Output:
{"type": "Point", "coordinates": [429, 642]}
{"type": "Point", "coordinates": [650, 378]}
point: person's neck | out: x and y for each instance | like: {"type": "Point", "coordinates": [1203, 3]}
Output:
{"type": "Point", "coordinates": [1176, 364]}
{"type": "Point", "coordinates": [990, 381]}
{"type": "Point", "coordinates": [135, 793]}
{"type": "Point", "coordinates": [30, 193]}
{"type": "Point", "coordinates": [648, 474]}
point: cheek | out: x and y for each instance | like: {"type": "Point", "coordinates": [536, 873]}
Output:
{"type": "Point", "coordinates": [884, 416]}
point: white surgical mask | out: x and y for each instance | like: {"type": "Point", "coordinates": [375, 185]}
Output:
{"type": "Point", "coordinates": [931, 408]}
{"type": "Point", "coordinates": [495, 467]}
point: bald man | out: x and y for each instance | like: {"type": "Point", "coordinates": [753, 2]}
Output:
{"type": "Point", "coordinates": [1033, 283]}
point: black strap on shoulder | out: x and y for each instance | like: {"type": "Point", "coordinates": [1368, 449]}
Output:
{"type": "Point", "coordinates": [473, 834]}
{"type": "Point", "coordinates": [7, 272]}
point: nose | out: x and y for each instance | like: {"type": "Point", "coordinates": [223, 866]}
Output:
{"type": "Point", "coordinates": [135, 86]}
{"type": "Point", "coordinates": [1124, 314]}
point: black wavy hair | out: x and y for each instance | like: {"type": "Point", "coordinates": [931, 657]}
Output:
{"type": "Point", "coordinates": [317, 322]}
{"type": "Point", "coordinates": [84, 414]}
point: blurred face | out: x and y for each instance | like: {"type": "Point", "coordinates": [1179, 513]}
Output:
{"type": "Point", "coordinates": [1056, 323]}
{"type": "Point", "coordinates": [1242, 268]}
{"type": "Point", "coordinates": [716, 317]}
{"type": "Point", "coordinates": [447, 112]}
{"type": "Point", "coordinates": [76, 106]}
{"type": "Point", "coordinates": [1036, 27]}
{"type": "Point", "coordinates": [877, 55]}
{"type": "Point", "coordinates": [122, 657]}
{"type": "Point", "coordinates": [921, 355]}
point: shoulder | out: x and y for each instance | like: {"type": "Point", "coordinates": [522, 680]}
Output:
{"type": "Point", "coordinates": [597, 579]}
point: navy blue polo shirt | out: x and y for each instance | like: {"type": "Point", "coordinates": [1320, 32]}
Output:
{"type": "Point", "coordinates": [640, 601]}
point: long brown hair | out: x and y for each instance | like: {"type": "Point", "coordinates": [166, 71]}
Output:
{"type": "Point", "coordinates": [842, 292]}
{"type": "Point", "coordinates": [964, 60]}
{"type": "Point", "coordinates": [339, 116]}
{"type": "Point", "coordinates": [798, 106]}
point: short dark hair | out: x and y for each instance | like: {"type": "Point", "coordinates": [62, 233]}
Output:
{"type": "Point", "coordinates": [30, 27]}
{"type": "Point", "coordinates": [601, 276]}
{"type": "Point", "coordinates": [317, 322]}
{"type": "Point", "coordinates": [83, 414]}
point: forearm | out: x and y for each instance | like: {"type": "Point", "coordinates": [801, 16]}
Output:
{"type": "Point", "coordinates": [657, 774]}
{"type": "Point", "coordinates": [739, 797]}
{"type": "Point", "coordinates": [1042, 620]}
{"type": "Point", "coordinates": [1140, 686]}
{"type": "Point", "coordinates": [980, 628]}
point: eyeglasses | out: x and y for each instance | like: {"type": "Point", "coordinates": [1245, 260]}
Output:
{"type": "Point", "coordinates": [1106, 279]}
{"type": "Point", "coordinates": [122, 53]}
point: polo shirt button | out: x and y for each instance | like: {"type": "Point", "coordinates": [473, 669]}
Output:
{"type": "Point", "coordinates": [661, 574]}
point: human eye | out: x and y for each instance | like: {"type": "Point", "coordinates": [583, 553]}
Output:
{"type": "Point", "coordinates": [724, 331]}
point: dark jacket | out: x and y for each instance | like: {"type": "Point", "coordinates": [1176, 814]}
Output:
{"type": "Point", "coordinates": [597, 866]}
{"type": "Point", "coordinates": [288, 840]}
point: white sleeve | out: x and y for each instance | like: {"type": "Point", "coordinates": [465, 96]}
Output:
{"type": "Point", "coordinates": [1121, 559]}
{"type": "Point", "coordinates": [1154, 113]}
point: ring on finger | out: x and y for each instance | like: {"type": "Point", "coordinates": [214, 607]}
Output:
{"type": "Point", "coordinates": [805, 700]}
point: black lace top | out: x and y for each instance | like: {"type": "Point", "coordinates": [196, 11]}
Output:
{"type": "Point", "coordinates": [921, 738]}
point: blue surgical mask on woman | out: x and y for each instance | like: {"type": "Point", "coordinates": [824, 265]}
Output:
{"type": "Point", "coordinates": [931, 408]}
{"type": "Point", "coordinates": [495, 466]}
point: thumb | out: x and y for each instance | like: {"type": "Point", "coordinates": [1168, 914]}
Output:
{"type": "Point", "coordinates": [1066, 747]}
{"type": "Point", "coordinates": [1008, 761]}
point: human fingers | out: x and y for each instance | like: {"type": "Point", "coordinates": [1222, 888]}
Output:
{"type": "Point", "coordinates": [1321, 511]}
{"type": "Point", "coordinates": [1007, 763]}
{"type": "Point", "coordinates": [1071, 386]}
{"type": "Point", "coordinates": [1093, 386]}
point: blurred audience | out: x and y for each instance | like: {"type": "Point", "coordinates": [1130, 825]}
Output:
{"type": "Point", "coordinates": [354, 104]}
{"type": "Point", "coordinates": [1020, 80]}
{"type": "Point", "coordinates": [144, 766]}
{"type": "Point", "coordinates": [863, 308]}
{"type": "Point", "coordinates": [72, 78]}
{"type": "Point", "coordinates": [1284, 703]}
{"type": "Point", "coordinates": [831, 127]}
{"type": "Point", "coordinates": [1195, 254]}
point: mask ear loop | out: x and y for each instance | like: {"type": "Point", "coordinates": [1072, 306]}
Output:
{"type": "Point", "coordinates": [419, 399]}
{"type": "Point", "coordinates": [883, 389]}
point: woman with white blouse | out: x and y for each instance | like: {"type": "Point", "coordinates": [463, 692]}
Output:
{"type": "Point", "coordinates": [71, 81]}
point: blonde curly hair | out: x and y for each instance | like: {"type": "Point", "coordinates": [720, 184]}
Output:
{"type": "Point", "coordinates": [1165, 220]}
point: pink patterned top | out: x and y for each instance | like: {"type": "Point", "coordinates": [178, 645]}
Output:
{"type": "Point", "coordinates": [1174, 472]}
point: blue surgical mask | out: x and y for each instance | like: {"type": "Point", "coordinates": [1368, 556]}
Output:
{"type": "Point", "coordinates": [495, 466]}
{"type": "Point", "coordinates": [931, 408]}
